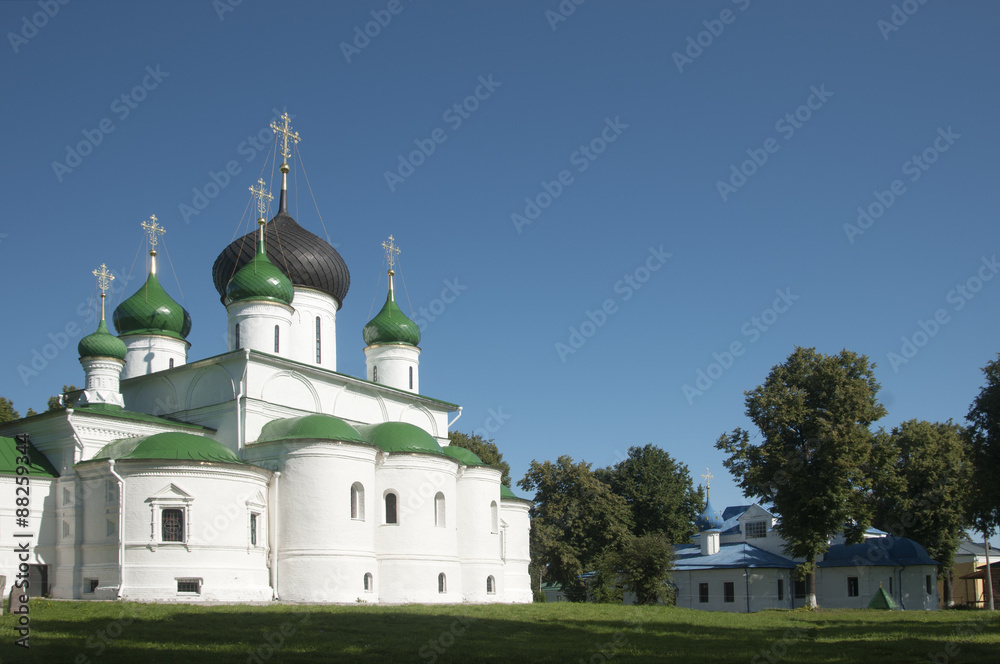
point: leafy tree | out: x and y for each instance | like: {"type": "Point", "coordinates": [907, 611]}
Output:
{"type": "Point", "coordinates": [984, 454]}
{"type": "Point", "coordinates": [484, 449]}
{"type": "Point", "coordinates": [642, 566]}
{"type": "Point", "coordinates": [53, 404]}
{"type": "Point", "coordinates": [921, 486]}
{"type": "Point", "coordinates": [813, 412]}
{"type": "Point", "coordinates": [7, 412]}
{"type": "Point", "coordinates": [658, 491]}
{"type": "Point", "coordinates": [575, 518]}
{"type": "Point", "coordinates": [31, 412]}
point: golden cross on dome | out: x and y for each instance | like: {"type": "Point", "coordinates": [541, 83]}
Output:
{"type": "Point", "coordinates": [391, 251]}
{"type": "Point", "coordinates": [104, 279]}
{"type": "Point", "coordinates": [286, 134]}
{"type": "Point", "coordinates": [708, 481]}
{"type": "Point", "coordinates": [263, 197]}
{"type": "Point", "coordinates": [154, 231]}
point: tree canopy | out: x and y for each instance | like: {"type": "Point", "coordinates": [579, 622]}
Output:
{"type": "Point", "coordinates": [658, 491]}
{"type": "Point", "coordinates": [485, 450]}
{"type": "Point", "coordinates": [921, 480]}
{"type": "Point", "coordinates": [813, 412]}
{"type": "Point", "coordinates": [984, 452]}
{"type": "Point", "coordinates": [574, 520]}
{"type": "Point", "coordinates": [7, 411]}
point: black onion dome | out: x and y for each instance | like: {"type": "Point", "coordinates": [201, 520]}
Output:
{"type": "Point", "coordinates": [307, 259]}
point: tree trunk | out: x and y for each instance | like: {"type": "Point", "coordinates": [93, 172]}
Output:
{"type": "Point", "coordinates": [989, 575]}
{"type": "Point", "coordinates": [811, 583]}
{"type": "Point", "coordinates": [948, 590]}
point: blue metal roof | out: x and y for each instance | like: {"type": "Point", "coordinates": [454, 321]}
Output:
{"type": "Point", "coordinates": [740, 554]}
{"type": "Point", "coordinates": [892, 551]}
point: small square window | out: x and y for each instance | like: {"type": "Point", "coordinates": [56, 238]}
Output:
{"type": "Point", "coordinates": [756, 529]}
{"type": "Point", "coordinates": [189, 586]}
{"type": "Point", "coordinates": [729, 592]}
{"type": "Point", "coordinates": [852, 586]}
{"type": "Point", "coordinates": [702, 592]}
{"type": "Point", "coordinates": [90, 585]}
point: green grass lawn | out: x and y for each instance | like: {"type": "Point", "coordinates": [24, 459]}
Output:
{"type": "Point", "coordinates": [110, 632]}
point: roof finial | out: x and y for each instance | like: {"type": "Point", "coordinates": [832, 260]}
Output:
{"type": "Point", "coordinates": [708, 481]}
{"type": "Point", "coordinates": [153, 231]}
{"type": "Point", "coordinates": [287, 134]}
{"type": "Point", "coordinates": [104, 279]}
{"type": "Point", "coordinates": [391, 251]}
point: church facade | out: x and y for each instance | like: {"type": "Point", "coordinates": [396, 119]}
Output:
{"type": "Point", "coordinates": [261, 473]}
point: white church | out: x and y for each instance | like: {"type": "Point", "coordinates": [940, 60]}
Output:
{"type": "Point", "coordinates": [259, 474]}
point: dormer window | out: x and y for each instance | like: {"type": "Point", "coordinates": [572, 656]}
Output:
{"type": "Point", "coordinates": [756, 529]}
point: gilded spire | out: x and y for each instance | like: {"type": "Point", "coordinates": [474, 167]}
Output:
{"type": "Point", "coordinates": [391, 251]}
{"type": "Point", "coordinates": [286, 134]}
{"type": "Point", "coordinates": [264, 199]}
{"type": "Point", "coordinates": [104, 279]}
{"type": "Point", "coordinates": [708, 480]}
{"type": "Point", "coordinates": [153, 231]}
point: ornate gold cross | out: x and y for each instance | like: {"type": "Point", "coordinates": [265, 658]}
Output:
{"type": "Point", "coordinates": [153, 230]}
{"type": "Point", "coordinates": [391, 251]}
{"type": "Point", "coordinates": [286, 135]}
{"type": "Point", "coordinates": [263, 197]}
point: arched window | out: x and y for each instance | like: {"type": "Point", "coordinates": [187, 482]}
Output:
{"type": "Point", "coordinates": [494, 518]}
{"type": "Point", "coordinates": [276, 346]}
{"type": "Point", "coordinates": [171, 363]}
{"type": "Point", "coordinates": [173, 525]}
{"type": "Point", "coordinates": [236, 337]}
{"type": "Point", "coordinates": [439, 510]}
{"type": "Point", "coordinates": [491, 585]}
{"type": "Point", "coordinates": [442, 583]}
{"type": "Point", "coordinates": [411, 378]}
{"type": "Point", "coordinates": [369, 582]}
{"type": "Point", "coordinates": [318, 342]}
{"type": "Point", "coordinates": [390, 508]}
{"type": "Point", "coordinates": [358, 501]}
{"type": "Point", "coordinates": [374, 374]}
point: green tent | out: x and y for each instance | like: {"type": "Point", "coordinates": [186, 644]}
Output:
{"type": "Point", "coordinates": [882, 600]}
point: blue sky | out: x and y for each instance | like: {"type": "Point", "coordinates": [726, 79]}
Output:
{"type": "Point", "coordinates": [627, 195]}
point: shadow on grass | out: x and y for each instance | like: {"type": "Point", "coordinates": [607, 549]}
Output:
{"type": "Point", "coordinates": [88, 632]}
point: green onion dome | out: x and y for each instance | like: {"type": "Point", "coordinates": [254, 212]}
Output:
{"type": "Point", "coordinates": [462, 455]}
{"type": "Point", "coordinates": [391, 326]}
{"type": "Point", "coordinates": [399, 437]}
{"type": "Point", "coordinates": [102, 344]}
{"type": "Point", "coordinates": [259, 279]}
{"type": "Point", "coordinates": [151, 311]}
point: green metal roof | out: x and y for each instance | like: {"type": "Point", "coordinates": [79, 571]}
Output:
{"type": "Point", "coordinates": [170, 445]}
{"type": "Point", "coordinates": [462, 455]}
{"type": "Point", "coordinates": [323, 427]}
{"type": "Point", "coordinates": [391, 326]}
{"type": "Point", "coordinates": [102, 344]}
{"type": "Point", "coordinates": [117, 411]}
{"type": "Point", "coordinates": [151, 311]}
{"type": "Point", "coordinates": [400, 437]}
{"type": "Point", "coordinates": [259, 279]}
{"type": "Point", "coordinates": [39, 466]}
{"type": "Point", "coordinates": [507, 494]}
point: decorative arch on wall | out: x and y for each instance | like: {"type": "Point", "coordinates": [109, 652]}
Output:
{"type": "Point", "coordinates": [360, 404]}
{"type": "Point", "coordinates": [156, 397]}
{"type": "Point", "coordinates": [419, 415]}
{"type": "Point", "coordinates": [211, 385]}
{"type": "Point", "coordinates": [289, 388]}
